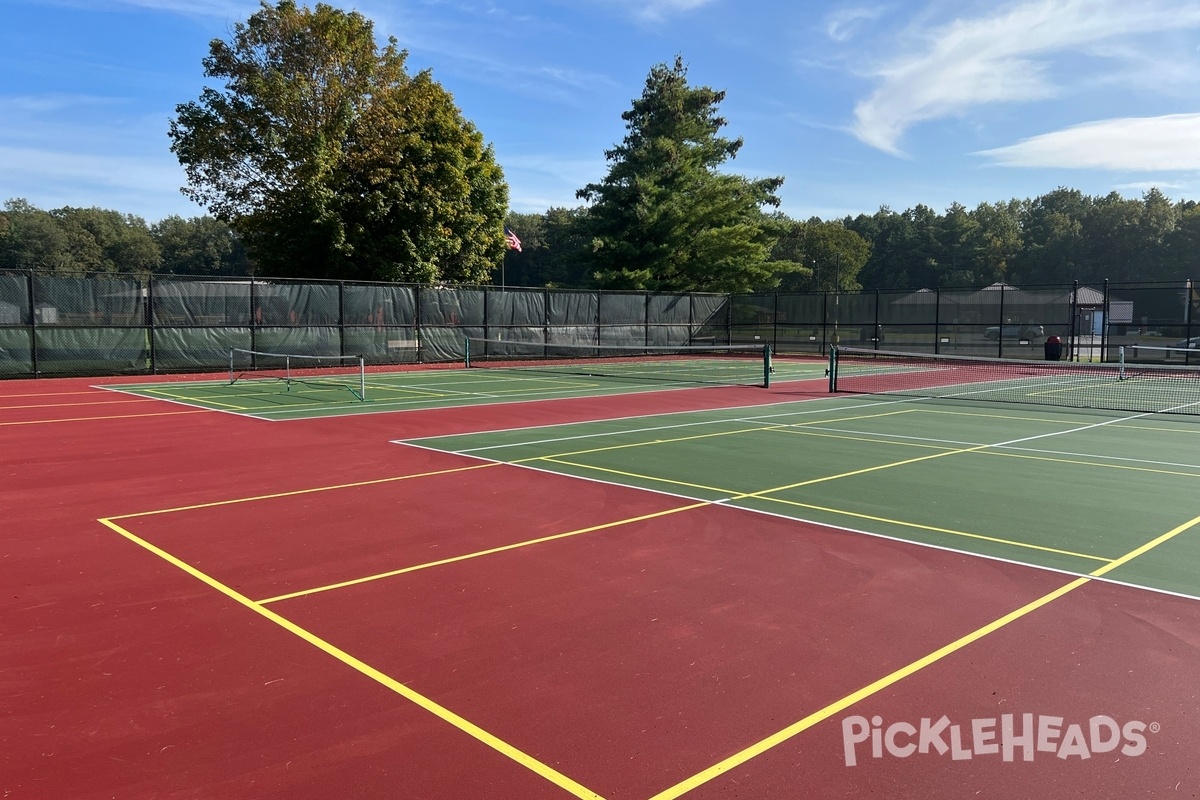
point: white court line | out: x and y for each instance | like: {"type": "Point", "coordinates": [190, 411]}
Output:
{"type": "Point", "coordinates": [750, 420]}
{"type": "Point", "coordinates": [725, 503]}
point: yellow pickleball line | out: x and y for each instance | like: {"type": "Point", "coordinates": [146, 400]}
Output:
{"type": "Point", "coordinates": [312, 490]}
{"type": "Point", "coordinates": [108, 417]}
{"type": "Point", "coordinates": [440, 711]}
{"type": "Point", "coordinates": [481, 553]}
{"type": "Point", "coordinates": [758, 748]}
{"type": "Point", "coordinates": [732, 495]}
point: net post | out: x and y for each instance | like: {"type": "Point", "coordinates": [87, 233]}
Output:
{"type": "Point", "coordinates": [231, 378]}
{"type": "Point", "coordinates": [1121, 363]}
{"type": "Point", "coordinates": [467, 352]}
{"type": "Point", "coordinates": [287, 372]}
{"type": "Point", "coordinates": [833, 363]}
{"type": "Point", "coordinates": [767, 366]}
{"type": "Point", "coordinates": [362, 378]}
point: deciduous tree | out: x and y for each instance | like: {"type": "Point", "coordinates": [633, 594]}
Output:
{"type": "Point", "coordinates": [332, 161]}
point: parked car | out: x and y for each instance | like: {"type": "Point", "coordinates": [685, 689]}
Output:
{"type": "Point", "coordinates": [1031, 332]}
{"type": "Point", "coordinates": [1186, 344]}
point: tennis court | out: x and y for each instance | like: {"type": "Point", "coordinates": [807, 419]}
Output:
{"type": "Point", "coordinates": [626, 589]}
{"type": "Point", "coordinates": [511, 372]}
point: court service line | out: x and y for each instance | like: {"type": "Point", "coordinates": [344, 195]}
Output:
{"type": "Point", "coordinates": [91, 390]}
{"type": "Point", "coordinates": [165, 395]}
{"type": "Point", "coordinates": [186, 403]}
{"type": "Point", "coordinates": [488, 552]}
{"type": "Point", "coordinates": [1077, 462]}
{"type": "Point", "coordinates": [72, 405]}
{"type": "Point", "coordinates": [764, 426]}
{"type": "Point", "coordinates": [928, 441]}
{"type": "Point", "coordinates": [438, 710]}
{"type": "Point", "coordinates": [312, 490]}
{"type": "Point", "coordinates": [745, 420]}
{"type": "Point", "coordinates": [732, 496]}
{"type": "Point", "coordinates": [107, 417]}
{"type": "Point", "coordinates": [1029, 453]}
{"type": "Point", "coordinates": [1184, 426]}
{"type": "Point", "coordinates": [863, 471]}
{"type": "Point", "coordinates": [912, 668]}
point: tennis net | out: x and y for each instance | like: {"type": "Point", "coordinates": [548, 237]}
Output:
{"type": "Point", "coordinates": [1152, 388]}
{"type": "Point", "coordinates": [1179, 353]}
{"type": "Point", "coordinates": [295, 370]}
{"type": "Point", "coordinates": [748, 365]}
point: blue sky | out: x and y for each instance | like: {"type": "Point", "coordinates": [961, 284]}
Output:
{"type": "Point", "coordinates": [856, 104]}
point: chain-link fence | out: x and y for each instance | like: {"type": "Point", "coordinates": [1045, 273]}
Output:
{"type": "Point", "coordinates": [104, 324]}
{"type": "Point", "coordinates": [56, 325]}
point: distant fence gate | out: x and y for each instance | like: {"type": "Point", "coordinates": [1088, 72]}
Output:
{"type": "Point", "coordinates": [111, 324]}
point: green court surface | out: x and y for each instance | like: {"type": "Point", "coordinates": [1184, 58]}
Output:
{"type": "Point", "coordinates": [415, 389]}
{"type": "Point", "coordinates": [1103, 494]}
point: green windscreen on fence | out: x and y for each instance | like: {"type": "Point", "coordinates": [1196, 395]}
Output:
{"type": "Point", "coordinates": [106, 323]}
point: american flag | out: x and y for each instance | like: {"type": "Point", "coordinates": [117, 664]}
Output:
{"type": "Point", "coordinates": [513, 242]}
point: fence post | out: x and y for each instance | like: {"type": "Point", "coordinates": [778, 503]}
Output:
{"type": "Point", "coordinates": [342, 319]}
{"type": "Point", "coordinates": [1073, 325]}
{"type": "Point", "coordinates": [33, 354]}
{"type": "Point", "coordinates": [487, 333]}
{"type": "Point", "coordinates": [1189, 301]}
{"type": "Point", "coordinates": [1000, 337]}
{"type": "Point", "coordinates": [1104, 327]}
{"type": "Point", "coordinates": [149, 319]}
{"type": "Point", "coordinates": [646, 319]}
{"type": "Point", "coordinates": [824, 321]}
{"type": "Point", "coordinates": [416, 290]}
{"type": "Point", "coordinates": [775, 325]}
{"type": "Point", "coordinates": [937, 320]}
{"type": "Point", "coordinates": [877, 330]}
{"type": "Point", "coordinates": [253, 324]}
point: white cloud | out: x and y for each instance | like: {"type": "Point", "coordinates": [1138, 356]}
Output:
{"type": "Point", "coordinates": [1145, 144]}
{"type": "Point", "coordinates": [1005, 57]}
{"type": "Point", "coordinates": [656, 10]}
{"type": "Point", "coordinates": [840, 25]}
{"type": "Point", "coordinates": [147, 186]}
{"type": "Point", "coordinates": [207, 8]}
{"type": "Point", "coordinates": [129, 172]}
{"type": "Point", "coordinates": [1142, 187]}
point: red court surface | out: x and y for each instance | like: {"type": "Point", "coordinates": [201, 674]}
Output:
{"type": "Point", "coordinates": [648, 648]}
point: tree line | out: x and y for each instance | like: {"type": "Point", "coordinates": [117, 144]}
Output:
{"type": "Point", "coordinates": [1056, 238]}
{"type": "Point", "coordinates": [322, 156]}
{"type": "Point", "coordinates": [101, 240]}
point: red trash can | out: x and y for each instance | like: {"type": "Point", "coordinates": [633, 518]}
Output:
{"type": "Point", "coordinates": [1053, 348]}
